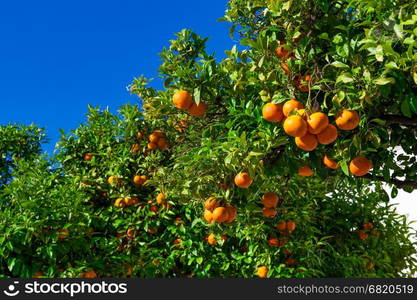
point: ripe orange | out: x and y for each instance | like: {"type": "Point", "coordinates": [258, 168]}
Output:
{"type": "Point", "coordinates": [290, 105]}
{"type": "Point", "coordinates": [120, 202]}
{"type": "Point", "coordinates": [308, 142]}
{"type": "Point", "coordinates": [88, 156]}
{"type": "Point", "coordinates": [135, 148]}
{"type": "Point", "coordinates": [162, 144]}
{"type": "Point", "coordinates": [368, 226]}
{"type": "Point", "coordinates": [295, 126]}
{"type": "Point", "coordinates": [152, 146]}
{"type": "Point", "coordinates": [197, 110]}
{"type": "Point", "coordinates": [131, 232]}
{"type": "Point", "coordinates": [182, 100]}
{"type": "Point", "coordinates": [243, 180]}
{"type": "Point", "coordinates": [177, 242]}
{"type": "Point", "coordinates": [302, 83]}
{"type": "Point", "coordinates": [220, 214]}
{"type": "Point", "coordinates": [140, 179]}
{"type": "Point", "coordinates": [211, 239]}
{"type": "Point", "coordinates": [154, 208]}
{"type": "Point", "coordinates": [317, 122]}
{"type": "Point", "coordinates": [273, 242]}
{"type": "Point", "coordinates": [281, 52]}
{"type": "Point", "coordinates": [114, 180]}
{"type": "Point", "coordinates": [289, 261]}
{"type": "Point", "coordinates": [153, 138]}
{"type": "Point", "coordinates": [347, 119]}
{"type": "Point", "coordinates": [63, 233]}
{"type": "Point", "coordinates": [305, 171]}
{"type": "Point", "coordinates": [328, 135]}
{"type": "Point", "coordinates": [291, 226]}
{"type": "Point", "coordinates": [362, 235]}
{"type": "Point", "coordinates": [211, 203]}
{"type": "Point", "coordinates": [272, 112]}
{"type": "Point", "coordinates": [38, 275]}
{"type": "Point", "coordinates": [89, 274]}
{"type": "Point", "coordinates": [360, 166]}
{"type": "Point", "coordinates": [285, 66]}
{"type": "Point", "coordinates": [231, 212]}
{"type": "Point", "coordinates": [262, 272]}
{"type": "Point", "coordinates": [282, 225]}
{"type": "Point", "coordinates": [208, 215]}
{"type": "Point", "coordinates": [330, 163]}
{"type": "Point", "coordinates": [160, 198]}
{"type": "Point", "coordinates": [270, 200]}
{"type": "Point", "coordinates": [269, 212]}
{"type": "Point", "coordinates": [130, 201]}
{"type": "Point", "coordinates": [139, 135]}
{"type": "Point", "coordinates": [158, 133]}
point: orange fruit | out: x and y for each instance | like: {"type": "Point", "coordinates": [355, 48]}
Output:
{"type": "Point", "coordinates": [120, 202]}
{"type": "Point", "coordinates": [269, 212]}
{"type": "Point", "coordinates": [262, 272]}
{"type": "Point", "coordinates": [347, 119]}
{"type": "Point", "coordinates": [154, 208]}
{"type": "Point", "coordinates": [273, 242]}
{"type": "Point", "coordinates": [88, 156]}
{"type": "Point", "coordinates": [281, 52]}
{"type": "Point", "coordinates": [270, 200]}
{"type": "Point", "coordinates": [63, 234]}
{"type": "Point", "coordinates": [139, 135]}
{"type": "Point", "coordinates": [328, 135]}
{"type": "Point", "coordinates": [131, 232]}
{"type": "Point", "coordinates": [272, 112]}
{"type": "Point", "coordinates": [291, 226]}
{"type": "Point", "coordinates": [303, 114]}
{"type": "Point", "coordinates": [289, 261]}
{"type": "Point", "coordinates": [211, 203]}
{"type": "Point", "coordinates": [231, 212]}
{"type": "Point", "coordinates": [38, 275]}
{"type": "Point", "coordinates": [330, 163]}
{"type": "Point", "coordinates": [160, 198]}
{"type": "Point", "coordinates": [162, 143]}
{"type": "Point", "coordinates": [135, 148]}
{"type": "Point", "coordinates": [182, 100]}
{"type": "Point", "coordinates": [290, 105]}
{"type": "Point", "coordinates": [152, 146]}
{"type": "Point", "coordinates": [153, 138]}
{"type": "Point", "coordinates": [197, 110]}
{"type": "Point", "coordinates": [362, 235]}
{"type": "Point", "coordinates": [140, 179]}
{"type": "Point", "coordinates": [114, 180]}
{"type": "Point", "coordinates": [282, 225]}
{"type": "Point", "coordinates": [317, 122]}
{"type": "Point", "coordinates": [295, 126]}
{"type": "Point", "coordinates": [285, 66]}
{"type": "Point", "coordinates": [208, 215]}
{"type": "Point", "coordinates": [89, 274]}
{"type": "Point", "coordinates": [211, 239]}
{"type": "Point", "coordinates": [177, 242]}
{"type": "Point", "coordinates": [130, 201]}
{"type": "Point", "coordinates": [302, 83]}
{"type": "Point", "coordinates": [360, 166]}
{"type": "Point", "coordinates": [308, 142]}
{"type": "Point", "coordinates": [305, 171]}
{"type": "Point", "coordinates": [368, 226]}
{"type": "Point", "coordinates": [158, 133]}
{"type": "Point", "coordinates": [243, 180]}
{"type": "Point", "coordinates": [220, 214]}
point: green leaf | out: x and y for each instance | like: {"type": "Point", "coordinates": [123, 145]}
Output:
{"type": "Point", "coordinates": [345, 78]}
{"type": "Point", "coordinates": [384, 80]}
{"type": "Point", "coordinates": [344, 167]}
{"type": "Point", "coordinates": [197, 95]}
{"type": "Point", "coordinates": [405, 108]}
{"type": "Point", "coordinates": [339, 64]}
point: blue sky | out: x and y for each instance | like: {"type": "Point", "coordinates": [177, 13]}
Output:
{"type": "Point", "coordinates": [56, 57]}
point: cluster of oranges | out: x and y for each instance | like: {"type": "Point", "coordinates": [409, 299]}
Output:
{"type": "Point", "coordinates": [125, 202]}
{"type": "Point", "coordinates": [140, 179]}
{"type": "Point", "coordinates": [157, 140]}
{"type": "Point", "coordinates": [367, 227]}
{"type": "Point", "coordinates": [183, 100]}
{"type": "Point", "coordinates": [212, 240]}
{"type": "Point", "coordinates": [270, 202]}
{"type": "Point", "coordinates": [213, 212]}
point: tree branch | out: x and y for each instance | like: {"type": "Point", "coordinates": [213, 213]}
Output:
{"type": "Point", "coordinates": [396, 182]}
{"type": "Point", "coordinates": [393, 119]}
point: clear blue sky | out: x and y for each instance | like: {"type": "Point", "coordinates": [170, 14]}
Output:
{"type": "Point", "coordinates": [56, 57]}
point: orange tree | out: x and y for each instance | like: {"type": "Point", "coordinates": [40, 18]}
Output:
{"type": "Point", "coordinates": [268, 163]}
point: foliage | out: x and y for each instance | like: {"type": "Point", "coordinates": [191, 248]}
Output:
{"type": "Point", "coordinates": [361, 55]}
